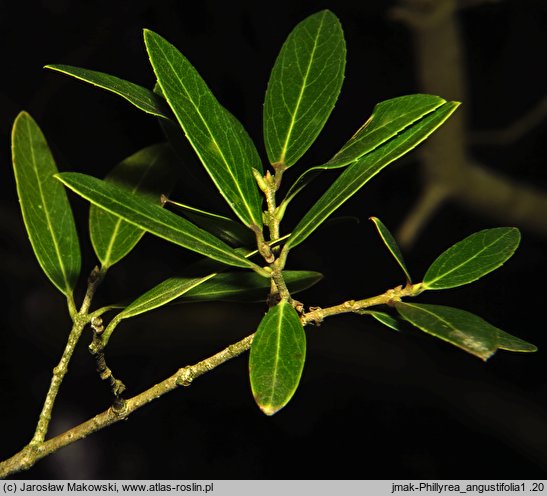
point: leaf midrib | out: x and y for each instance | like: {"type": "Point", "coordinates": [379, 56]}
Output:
{"type": "Point", "coordinates": [197, 282]}
{"type": "Point", "coordinates": [276, 358]}
{"type": "Point", "coordinates": [119, 219]}
{"type": "Point", "coordinates": [139, 97]}
{"type": "Point", "coordinates": [46, 210]}
{"type": "Point", "coordinates": [333, 205]}
{"type": "Point", "coordinates": [468, 260]}
{"type": "Point", "coordinates": [301, 93]}
{"type": "Point", "coordinates": [196, 107]}
{"type": "Point", "coordinates": [160, 223]}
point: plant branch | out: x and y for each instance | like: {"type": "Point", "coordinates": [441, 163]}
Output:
{"type": "Point", "coordinates": [514, 131]}
{"type": "Point", "coordinates": [446, 163]}
{"type": "Point", "coordinates": [34, 452]}
{"type": "Point", "coordinates": [59, 372]}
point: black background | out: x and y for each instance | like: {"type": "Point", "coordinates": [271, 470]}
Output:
{"type": "Point", "coordinates": [372, 403]}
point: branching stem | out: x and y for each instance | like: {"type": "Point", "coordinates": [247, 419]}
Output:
{"type": "Point", "coordinates": [39, 449]}
{"type": "Point", "coordinates": [79, 321]}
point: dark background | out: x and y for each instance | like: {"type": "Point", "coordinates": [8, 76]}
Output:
{"type": "Point", "coordinates": [372, 403]}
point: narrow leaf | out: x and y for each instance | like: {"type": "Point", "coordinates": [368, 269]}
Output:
{"type": "Point", "coordinates": [221, 142]}
{"type": "Point", "coordinates": [383, 318]}
{"type": "Point", "coordinates": [153, 218]}
{"type": "Point", "coordinates": [159, 295]}
{"type": "Point", "coordinates": [304, 85]}
{"type": "Point", "coordinates": [163, 293]}
{"type": "Point", "coordinates": [472, 258]}
{"type": "Point", "coordinates": [388, 119]}
{"type": "Point", "coordinates": [277, 358]}
{"type": "Point", "coordinates": [360, 172]}
{"type": "Point", "coordinates": [140, 97]}
{"type": "Point", "coordinates": [391, 245]}
{"type": "Point", "coordinates": [462, 329]}
{"type": "Point", "coordinates": [222, 227]}
{"type": "Point", "coordinates": [248, 286]}
{"type": "Point", "coordinates": [146, 174]}
{"type": "Point", "coordinates": [44, 204]}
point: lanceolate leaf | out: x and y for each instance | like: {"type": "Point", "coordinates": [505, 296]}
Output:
{"type": "Point", "coordinates": [159, 295]}
{"type": "Point", "coordinates": [462, 329]}
{"type": "Point", "coordinates": [391, 245]}
{"type": "Point", "coordinates": [142, 98]}
{"type": "Point", "coordinates": [360, 172]}
{"type": "Point", "coordinates": [388, 119]}
{"type": "Point", "coordinates": [223, 146]}
{"type": "Point", "coordinates": [277, 358]}
{"type": "Point", "coordinates": [224, 228]}
{"type": "Point", "coordinates": [303, 87]}
{"type": "Point", "coordinates": [44, 204]}
{"type": "Point", "coordinates": [153, 218]}
{"type": "Point", "coordinates": [472, 258]}
{"type": "Point", "coordinates": [384, 318]}
{"type": "Point", "coordinates": [248, 286]}
{"type": "Point", "coordinates": [163, 293]}
{"type": "Point", "coordinates": [146, 174]}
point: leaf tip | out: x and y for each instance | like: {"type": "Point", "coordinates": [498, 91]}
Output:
{"type": "Point", "coordinates": [22, 115]}
{"type": "Point", "coordinates": [269, 409]}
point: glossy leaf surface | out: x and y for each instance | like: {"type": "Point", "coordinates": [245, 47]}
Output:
{"type": "Point", "coordinates": [277, 358]}
{"type": "Point", "coordinates": [248, 286]}
{"type": "Point", "coordinates": [391, 245]}
{"type": "Point", "coordinates": [462, 329]}
{"type": "Point", "coordinates": [222, 227]}
{"type": "Point", "coordinates": [140, 97]}
{"type": "Point", "coordinates": [153, 218]}
{"type": "Point", "coordinates": [304, 85]}
{"type": "Point", "coordinates": [44, 204]}
{"type": "Point", "coordinates": [359, 173]}
{"type": "Point", "coordinates": [388, 119]}
{"type": "Point", "coordinates": [222, 144]}
{"type": "Point", "coordinates": [161, 294]}
{"type": "Point", "coordinates": [383, 318]}
{"type": "Point", "coordinates": [146, 174]}
{"type": "Point", "coordinates": [472, 258]}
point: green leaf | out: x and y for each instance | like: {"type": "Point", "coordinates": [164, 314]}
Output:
{"type": "Point", "coordinates": [391, 245]}
{"type": "Point", "coordinates": [163, 293]}
{"type": "Point", "coordinates": [222, 227]}
{"type": "Point", "coordinates": [140, 97]}
{"type": "Point", "coordinates": [145, 174]}
{"type": "Point", "coordinates": [304, 85]}
{"type": "Point", "coordinates": [472, 258]}
{"type": "Point", "coordinates": [248, 286]}
{"type": "Point", "coordinates": [462, 329]}
{"type": "Point", "coordinates": [360, 172]}
{"type": "Point", "coordinates": [388, 119]}
{"type": "Point", "coordinates": [153, 218]}
{"type": "Point", "coordinates": [221, 142]}
{"type": "Point", "coordinates": [383, 318]}
{"type": "Point", "coordinates": [277, 358]}
{"type": "Point", "coordinates": [44, 204]}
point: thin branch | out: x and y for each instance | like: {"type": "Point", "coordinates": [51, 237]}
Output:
{"type": "Point", "coordinates": [59, 372]}
{"type": "Point", "coordinates": [432, 197]}
{"type": "Point", "coordinates": [446, 163]}
{"type": "Point", "coordinates": [34, 452]}
{"type": "Point", "coordinates": [514, 131]}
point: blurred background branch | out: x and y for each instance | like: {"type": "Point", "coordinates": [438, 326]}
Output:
{"type": "Point", "coordinates": [448, 170]}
